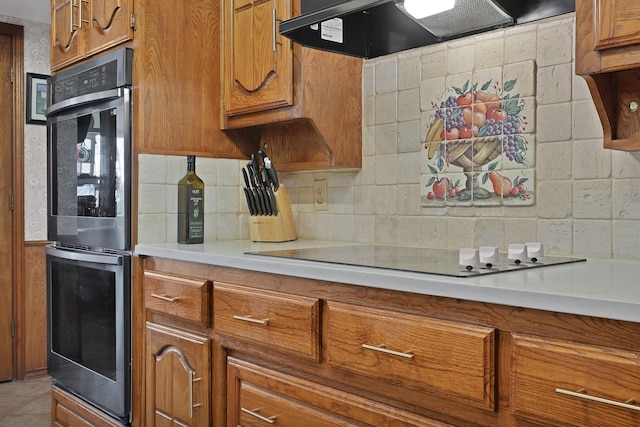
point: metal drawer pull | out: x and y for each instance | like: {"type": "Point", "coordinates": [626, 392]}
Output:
{"type": "Point", "coordinates": [254, 413]}
{"type": "Point", "coordinates": [381, 348]}
{"type": "Point", "coordinates": [582, 394]}
{"type": "Point", "coordinates": [165, 298]}
{"type": "Point", "coordinates": [250, 319]}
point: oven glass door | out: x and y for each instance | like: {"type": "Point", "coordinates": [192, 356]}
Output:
{"type": "Point", "coordinates": [89, 326]}
{"type": "Point", "coordinates": [89, 179]}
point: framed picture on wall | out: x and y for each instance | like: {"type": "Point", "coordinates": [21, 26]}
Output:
{"type": "Point", "coordinates": [36, 98]}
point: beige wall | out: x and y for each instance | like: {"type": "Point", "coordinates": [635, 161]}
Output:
{"type": "Point", "coordinates": [36, 60]}
{"type": "Point", "coordinates": [587, 198]}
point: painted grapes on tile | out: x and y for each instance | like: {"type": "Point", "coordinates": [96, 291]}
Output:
{"type": "Point", "coordinates": [479, 144]}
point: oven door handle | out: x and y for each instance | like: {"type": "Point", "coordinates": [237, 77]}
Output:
{"type": "Point", "coordinates": [85, 99]}
{"type": "Point", "coordinates": [84, 256]}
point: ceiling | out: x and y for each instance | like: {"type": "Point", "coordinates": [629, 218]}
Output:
{"type": "Point", "coordinates": [31, 10]}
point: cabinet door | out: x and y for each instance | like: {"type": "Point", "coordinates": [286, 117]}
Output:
{"type": "Point", "coordinates": [616, 23]}
{"type": "Point", "coordinates": [178, 377]}
{"type": "Point", "coordinates": [65, 32]}
{"type": "Point", "coordinates": [110, 24]}
{"type": "Point", "coordinates": [259, 62]}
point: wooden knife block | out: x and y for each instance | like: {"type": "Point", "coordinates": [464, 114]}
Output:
{"type": "Point", "coordinates": [274, 228]}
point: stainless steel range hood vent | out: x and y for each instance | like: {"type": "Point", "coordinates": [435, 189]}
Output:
{"type": "Point", "coordinates": [466, 16]}
{"type": "Point", "coordinates": [372, 28]}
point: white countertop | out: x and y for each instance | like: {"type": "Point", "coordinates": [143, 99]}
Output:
{"type": "Point", "coordinates": [598, 287]}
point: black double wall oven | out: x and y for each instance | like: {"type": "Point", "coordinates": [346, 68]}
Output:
{"type": "Point", "coordinates": [89, 225]}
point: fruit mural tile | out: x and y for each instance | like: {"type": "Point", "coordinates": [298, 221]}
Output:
{"type": "Point", "coordinates": [521, 188]}
{"type": "Point", "coordinates": [458, 80]}
{"type": "Point", "coordinates": [456, 155]}
{"type": "Point", "coordinates": [479, 135]}
{"type": "Point", "coordinates": [438, 187]}
{"type": "Point", "coordinates": [456, 183]}
{"type": "Point", "coordinates": [524, 73]}
{"type": "Point", "coordinates": [487, 154]}
{"type": "Point", "coordinates": [527, 156]}
{"type": "Point", "coordinates": [528, 114]}
{"type": "Point", "coordinates": [485, 193]}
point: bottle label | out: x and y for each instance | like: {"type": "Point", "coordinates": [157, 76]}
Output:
{"type": "Point", "coordinates": [196, 214]}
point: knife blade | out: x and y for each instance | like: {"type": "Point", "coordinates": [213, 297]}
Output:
{"type": "Point", "coordinates": [249, 194]}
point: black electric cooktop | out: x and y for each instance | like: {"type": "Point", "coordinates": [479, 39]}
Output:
{"type": "Point", "coordinates": [419, 260]}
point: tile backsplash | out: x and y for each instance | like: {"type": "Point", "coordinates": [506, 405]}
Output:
{"type": "Point", "coordinates": [587, 200]}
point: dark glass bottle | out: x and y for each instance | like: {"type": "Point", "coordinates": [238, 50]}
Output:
{"type": "Point", "coordinates": [191, 205]}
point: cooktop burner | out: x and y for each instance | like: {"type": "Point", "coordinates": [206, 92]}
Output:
{"type": "Point", "coordinates": [419, 260]}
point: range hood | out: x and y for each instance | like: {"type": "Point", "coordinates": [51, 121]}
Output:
{"type": "Point", "coordinates": [372, 28]}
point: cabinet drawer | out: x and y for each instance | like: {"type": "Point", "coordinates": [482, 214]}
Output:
{"type": "Point", "coordinates": [256, 393]}
{"type": "Point", "coordinates": [275, 320]}
{"type": "Point", "coordinates": [186, 298]}
{"type": "Point", "coordinates": [415, 352]}
{"type": "Point", "coordinates": [573, 384]}
{"type": "Point", "coordinates": [68, 411]}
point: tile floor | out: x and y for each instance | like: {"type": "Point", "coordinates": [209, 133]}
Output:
{"type": "Point", "coordinates": [26, 403]}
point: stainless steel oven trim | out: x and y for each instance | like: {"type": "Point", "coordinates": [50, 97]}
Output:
{"type": "Point", "coordinates": [85, 99]}
{"type": "Point", "coordinates": [85, 256]}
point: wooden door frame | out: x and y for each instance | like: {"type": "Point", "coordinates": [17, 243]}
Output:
{"type": "Point", "coordinates": [16, 32]}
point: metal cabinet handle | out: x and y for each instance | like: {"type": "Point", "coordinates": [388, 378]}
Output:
{"type": "Point", "coordinates": [274, 28]}
{"type": "Point", "coordinates": [83, 20]}
{"type": "Point", "coordinates": [191, 404]}
{"type": "Point", "coordinates": [254, 413]}
{"type": "Point", "coordinates": [250, 319]}
{"type": "Point", "coordinates": [165, 298]}
{"type": "Point", "coordinates": [71, 7]}
{"type": "Point", "coordinates": [381, 348]}
{"type": "Point", "coordinates": [582, 394]}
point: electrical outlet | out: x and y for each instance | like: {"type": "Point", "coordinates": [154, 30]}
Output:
{"type": "Point", "coordinates": [320, 196]}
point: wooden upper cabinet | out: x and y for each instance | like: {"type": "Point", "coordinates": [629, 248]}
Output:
{"type": "Point", "coordinates": [616, 23]}
{"type": "Point", "coordinates": [259, 66]}
{"type": "Point", "coordinates": [608, 57]}
{"type": "Point", "coordinates": [111, 24]}
{"type": "Point", "coordinates": [304, 106]}
{"type": "Point", "coordinates": [177, 103]}
{"type": "Point", "coordinates": [65, 29]}
{"type": "Point", "coordinates": [81, 28]}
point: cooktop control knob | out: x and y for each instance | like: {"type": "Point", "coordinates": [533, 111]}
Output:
{"type": "Point", "coordinates": [489, 255]}
{"type": "Point", "coordinates": [535, 251]}
{"type": "Point", "coordinates": [517, 252]}
{"type": "Point", "coordinates": [468, 258]}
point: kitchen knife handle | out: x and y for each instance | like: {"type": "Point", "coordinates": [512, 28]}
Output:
{"type": "Point", "coordinates": [246, 177]}
{"type": "Point", "coordinates": [272, 200]}
{"type": "Point", "coordinates": [248, 196]}
{"type": "Point", "coordinates": [271, 172]}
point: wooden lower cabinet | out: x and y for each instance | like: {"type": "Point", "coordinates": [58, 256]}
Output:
{"type": "Point", "coordinates": [566, 383]}
{"type": "Point", "coordinates": [258, 396]}
{"type": "Point", "coordinates": [287, 351]}
{"type": "Point", "coordinates": [69, 411]}
{"type": "Point", "coordinates": [178, 377]}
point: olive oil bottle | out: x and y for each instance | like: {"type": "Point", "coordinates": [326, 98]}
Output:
{"type": "Point", "coordinates": [191, 205]}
